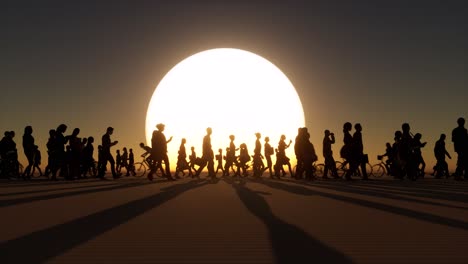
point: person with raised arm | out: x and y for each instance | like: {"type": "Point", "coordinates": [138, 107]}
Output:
{"type": "Point", "coordinates": [107, 143]}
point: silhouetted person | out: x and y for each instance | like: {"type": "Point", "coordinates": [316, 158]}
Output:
{"type": "Point", "coordinates": [207, 155]}
{"type": "Point", "coordinates": [269, 151]}
{"type": "Point", "coordinates": [131, 161]}
{"type": "Point", "coordinates": [358, 148]}
{"type": "Point", "coordinates": [397, 161]}
{"type": "Point", "coordinates": [279, 170]}
{"type": "Point", "coordinates": [330, 164]}
{"type": "Point", "coordinates": [37, 161]}
{"type": "Point", "coordinates": [230, 156]}
{"type": "Point", "coordinates": [299, 144]}
{"type": "Point", "coordinates": [346, 152]}
{"type": "Point", "coordinates": [159, 147]}
{"type": "Point", "coordinates": [219, 158]}
{"type": "Point", "coordinates": [258, 165]}
{"type": "Point", "coordinates": [118, 160]}
{"type": "Point", "coordinates": [406, 152]}
{"type": "Point", "coordinates": [51, 153]}
{"type": "Point", "coordinates": [29, 150]}
{"type": "Point", "coordinates": [101, 165]}
{"type": "Point", "coordinates": [441, 167]}
{"type": "Point", "coordinates": [417, 145]}
{"type": "Point", "coordinates": [460, 143]}
{"type": "Point", "coordinates": [107, 155]}
{"type": "Point", "coordinates": [309, 155]}
{"type": "Point", "coordinates": [182, 163]}
{"type": "Point", "coordinates": [60, 142]}
{"type": "Point", "coordinates": [124, 161]}
{"type": "Point", "coordinates": [282, 159]}
{"type": "Point", "coordinates": [244, 157]}
{"type": "Point", "coordinates": [88, 159]}
{"type": "Point", "coordinates": [76, 149]}
{"type": "Point", "coordinates": [193, 161]}
{"type": "Point", "coordinates": [9, 155]}
{"type": "Point", "coordinates": [147, 154]}
{"type": "Point", "coordinates": [389, 153]}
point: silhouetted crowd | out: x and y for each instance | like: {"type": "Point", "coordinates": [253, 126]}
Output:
{"type": "Point", "coordinates": [71, 157]}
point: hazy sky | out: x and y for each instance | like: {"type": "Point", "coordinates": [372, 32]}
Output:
{"type": "Point", "coordinates": [381, 63]}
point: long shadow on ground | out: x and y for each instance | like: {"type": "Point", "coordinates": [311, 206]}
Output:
{"type": "Point", "coordinates": [43, 182]}
{"type": "Point", "coordinates": [45, 244]}
{"type": "Point", "coordinates": [427, 217]}
{"type": "Point", "coordinates": [16, 201]}
{"type": "Point", "coordinates": [390, 194]}
{"type": "Point", "coordinates": [289, 243]}
{"type": "Point", "coordinates": [57, 189]}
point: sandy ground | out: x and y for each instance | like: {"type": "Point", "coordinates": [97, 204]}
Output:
{"type": "Point", "coordinates": [227, 220]}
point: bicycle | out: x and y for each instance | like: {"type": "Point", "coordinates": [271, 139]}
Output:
{"type": "Point", "coordinates": [343, 167]}
{"type": "Point", "coordinates": [380, 169]}
{"type": "Point", "coordinates": [139, 168]}
{"type": "Point", "coordinates": [318, 169]}
{"type": "Point", "coordinates": [183, 165]}
{"type": "Point", "coordinates": [246, 170]}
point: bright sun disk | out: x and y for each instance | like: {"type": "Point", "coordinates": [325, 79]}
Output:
{"type": "Point", "coordinates": [230, 90]}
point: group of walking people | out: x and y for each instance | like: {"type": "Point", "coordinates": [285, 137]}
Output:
{"type": "Point", "coordinates": [71, 157]}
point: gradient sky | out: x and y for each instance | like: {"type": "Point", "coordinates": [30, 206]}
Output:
{"type": "Point", "coordinates": [381, 63]}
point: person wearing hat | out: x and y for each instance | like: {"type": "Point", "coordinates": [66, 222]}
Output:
{"type": "Point", "coordinates": [159, 149]}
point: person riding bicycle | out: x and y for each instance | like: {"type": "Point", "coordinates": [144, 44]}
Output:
{"type": "Point", "coordinates": [147, 154]}
{"type": "Point", "coordinates": [390, 154]}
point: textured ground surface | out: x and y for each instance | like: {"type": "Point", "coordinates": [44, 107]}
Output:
{"type": "Point", "coordinates": [133, 220]}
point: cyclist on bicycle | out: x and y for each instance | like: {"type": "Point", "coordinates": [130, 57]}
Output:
{"type": "Point", "coordinates": [147, 154]}
{"type": "Point", "coordinates": [390, 154]}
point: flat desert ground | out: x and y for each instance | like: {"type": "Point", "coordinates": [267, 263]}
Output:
{"type": "Point", "coordinates": [230, 220]}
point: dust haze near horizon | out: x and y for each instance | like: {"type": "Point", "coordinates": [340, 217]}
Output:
{"type": "Point", "coordinates": [93, 65]}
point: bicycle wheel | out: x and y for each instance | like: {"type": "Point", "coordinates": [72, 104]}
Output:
{"type": "Point", "coordinates": [319, 170]}
{"type": "Point", "coordinates": [378, 170]}
{"type": "Point", "coordinates": [340, 169]}
{"type": "Point", "coordinates": [140, 169]}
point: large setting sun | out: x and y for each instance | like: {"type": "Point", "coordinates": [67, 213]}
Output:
{"type": "Point", "coordinates": [230, 90]}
